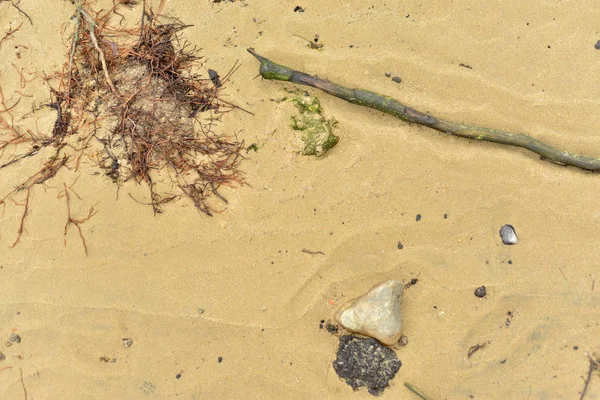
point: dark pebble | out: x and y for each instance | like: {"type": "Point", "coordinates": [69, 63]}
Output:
{"type": "Point", "coordinates": [298, 9]}
{"type": "Point", "coordinates": [387, 74]}
{"type": "Point", "coordinates": [177, 376]}
{"type": "Point", "coordinates": [510, 262]}
{"type": "Point", "coordinates": [418, 217]}
{"type": "Point", "coordinates": [220, 359]}
{"type": "Point", "coordinates": [597, 45]}
{"type": "Point", "coordinates": [331, 328]}
{"type": "Point", "coordinates": [15, 338]}
{"type": "Point", "coordinates": [414, 281]}
{"type": "Point", "coordinates": [575, 347]}
{"type": "Point", "coordinates": [480, 292]}
{"type": "Point", "coordinates": [397, 79]}
{"type": "Point", "coordinates": [400, 247]}
{"type": "Point", "coordinates": [445, 216]}
{"type": "Point", "coordinates": [2, 357]}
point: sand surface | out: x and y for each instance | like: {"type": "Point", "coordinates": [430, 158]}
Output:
{"type": "Point", "coordinates": [533, 69]}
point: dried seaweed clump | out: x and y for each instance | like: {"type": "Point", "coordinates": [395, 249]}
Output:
{"type": "Point", "coordinates": [132, 100]}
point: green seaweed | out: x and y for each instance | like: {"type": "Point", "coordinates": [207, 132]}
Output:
{"type": "Point", "coordinates": [317, 131]}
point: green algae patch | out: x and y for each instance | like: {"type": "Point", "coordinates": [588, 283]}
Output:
{"type": "Point", "coordinates": [317, 131]}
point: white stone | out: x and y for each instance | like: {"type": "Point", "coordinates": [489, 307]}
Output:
{"type": "Point", "coordinates": [376, 314]}
{"type": "Point", "coordinates": [508, 235]}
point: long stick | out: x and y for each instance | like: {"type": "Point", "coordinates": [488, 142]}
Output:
{"type": "Point", "coordinates": [271, 70]}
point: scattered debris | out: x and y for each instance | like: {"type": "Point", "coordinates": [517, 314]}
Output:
{"type": "Point", "coordinates": [298, 9]}
{"type": "Point", "coordinates": [364, 362]}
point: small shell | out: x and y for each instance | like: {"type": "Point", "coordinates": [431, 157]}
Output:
{"type": "Point", "coordinates": [508, 235]}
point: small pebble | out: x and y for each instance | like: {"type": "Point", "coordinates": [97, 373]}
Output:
{"type": "Point", "coordinates": [15, 338]}
{"type": "Point", "coordinates": [387, 74]}
{"type": "Point", "coordinates": [396, 79]}
{"type": "Point", "coordinates": [480, 291]}
{"type": "Point", "coordinates": [418, 217]}
{"type": "Point", "coordinates": [597, 45]}
{"type": "Point", "coordinates": [127, 342]}
{"type": "Point", "coordinates": [403, 341]}
{"type": "Point", "coordinates": [445, 216]}
{"type": "Point", "coordinates": [400, 246]}
{"type": "Point", "coordinates": [220, 359]}
{"type": "Point", "coordinates": [508, 235]}
{"type": "Point", "coordinates": [177, 376]}
{"type": "Point", "coordinates": [298, 9]}
{"type": "Point", "coordinates": [2, 357]}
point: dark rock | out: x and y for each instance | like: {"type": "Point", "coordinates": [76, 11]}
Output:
{"type": "Point", "coordinates": [597, 45]}
{"type": "Point", "coordinates": [365, 362]}
{"type": "Point", "coordinates": [215, 78]}
{"type": "Point", "coordinates": [15, 338]}
{"type": "Point", "coordinates": [400, 247]}
{"type": "Point", "coordinates": [298, 9]}
{"type": "Point", "coordinates": [480, 291]}
{"type": "Point", "coordinates": [397, 79]}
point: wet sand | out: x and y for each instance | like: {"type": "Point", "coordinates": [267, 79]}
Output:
{"type": "Point", "coordinates": [189, 289]}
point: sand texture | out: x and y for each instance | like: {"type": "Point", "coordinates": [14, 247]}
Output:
{"type": "Point", "coordinates": [190, 289]}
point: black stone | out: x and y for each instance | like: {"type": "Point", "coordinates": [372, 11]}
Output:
{"type": "Point", "coordinates": [397, 79]}
{"type": "Point", "coordinates": [418, 217]}
{"type": "Point", "coordinates": [597, 45]}
{"type": "Point", "coordinates": [220, 359]}
{"type": "Point", "coordinates": [364, 362]}
{"type": "Point", "coordinates": [400, 247]}
{"type": "Point", "coordinates": [480, 291]}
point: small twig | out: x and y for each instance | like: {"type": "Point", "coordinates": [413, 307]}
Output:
{"type": "Point", "coordinates": [21, 11]}
{"type": "Point", "coordinates": [23, 383]}
{"type": "Point", "coordinates": [76, 222]}
{"type": "Point", "coordinates": [312, 252]}
{"type": "Point", "coordinates": [416, 391]}
{"type": "Point", "coordinates": [593, 366]}
{"type": "Point", "coordinates": [475, 348]}
{"type": "Point", "coordinates": [92, 27]}
{"type": "Point", "coordinates": [10, 33]}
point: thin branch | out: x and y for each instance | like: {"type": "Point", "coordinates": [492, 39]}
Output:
{"type": "Point", "coordinates": [271, 70]}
